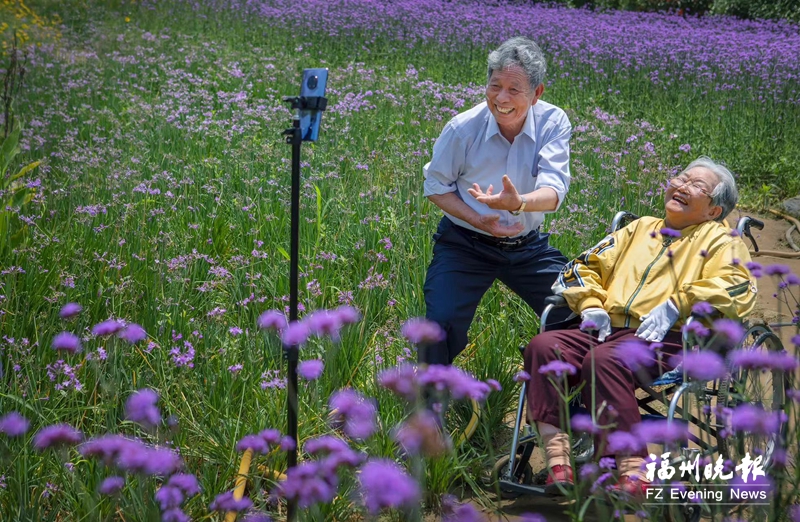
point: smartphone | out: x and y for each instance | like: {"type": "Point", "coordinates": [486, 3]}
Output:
{"type": "Point", "coordinates": [314, 83]}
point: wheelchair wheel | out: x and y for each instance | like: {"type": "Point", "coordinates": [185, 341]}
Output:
{"type": "Point", "coordinates": [763, 389]}
{"type": "Point", "coordinates": [685, 512]}
{"type": "Point", "coordinates": [462, 419]}
{"type": "Point", "coordinates": [524, 475]}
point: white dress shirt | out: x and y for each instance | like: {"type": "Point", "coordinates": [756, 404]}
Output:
{"type": "Point", "coordinates": [472, 150]}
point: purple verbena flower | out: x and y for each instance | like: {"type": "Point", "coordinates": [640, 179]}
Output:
{"type": "Point", "coordinates": [696, 328]}
{"type": "Point", "coordinates": [324, 322]}
{"type": "Point", "coordinates": [384, 484]}
{"type": "Point", "coordinates": [133, 333]}
{"type": "Point", "coordinates": [141, 407]}
{"type": "Point", "coordinates": [309, 483]}
{"type": "Point", "coordinates": [522, 376]}
{"type": "Point", "coordinates": [729, 330]}
{"type": "Point", "coordinates": [625, 443]}
{"type": "Point", "coordinates": [111, 485]}
{"type": "Point", "coordinates": [557, 369]}
{"type": "Point", "coordinates": [272, 319]}
{"type": "Point", "coordinates": [661, 432]}
{"type": "Point", "coordinates": [704, 365]}
{"type": "Point", "coordinates": [401, 380]}
{"type": "Point", "coordinates": [752, 419]}
{"type": "Point", "coordinates": [310, 370]}
{"type": "Point", "coordinates": [67, 342]}
{"type": "Point", "coordinates": [111, 326]}
{"type": "Point", "coordinates": [253, 442]}
{"type": "Point", "coordinates": [634, 355]}
{"type": "Point", "coordinates": [422, 331]}
{"type": "Point", "coordinates": [175, 514]}
{"type": "Point", "coordinates": [56, 435]}
{"type": "Point", "coordinates": [169, 497]}
{"type": "Point", "coordinates": [669, 232]}
{"type": "Point", "coordinates": [288, 443]}
{"type": "Point", "coordinates": [347, 314]}
{"type": "Point", "coordinates": [14, 425]}
{"type": "Point", "coordinates": [295, 334]}
{"type": "Point", "coordinates": [777, 269]}
{"type": "Point", "coordinates": [460, 384]}
{"type": "Point", "coordinates": [185, 482]}
{"type": "Point", "coordinates": [588, 326]}
{"type": "Point", "coordinates": [422, 435]}
{"type": "Point", "coordinates": [70, 310]}
{"type": "Point", "coordinates": [354, 412]}
{"type": "Point", "coordinates": [226, 502]}
{"type": "Point", "coordinates": [763, 360]}
{"type": "Point", "coordinates": [702, 308]}
{"type": "Point", "coordinates": [583, 422]}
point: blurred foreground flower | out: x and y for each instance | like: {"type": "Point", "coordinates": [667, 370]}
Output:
{"type": "Point", "coordinates": [557, 369]}
{"type": "Point", "coordinates": [422, 331]}
{"type": "Point", "coordinates": [422, 435]}
{"type": "Point", "coordinates": [111, 485]}
{"type": "Point", "coordinates": [384, 484]}
{"type": "Point", "coordinates": [56, 435]}
{"type": "Point", "coordinates": [355, 412]}
{"type": "Point", "coordinates": [141, 408]}
{"type": "Point", "coordinates": [67, 342]}
{"type": "Point", "coordinates": [14, 425]}
{"type": "Point", "coordinates": [310, 370]}
{"type": "Point", "coordinates": [764, 360]}
{"type": "Point", "coordinates": [111, 326]}
{"type": "Point", "coordinates": [272, 319]}
{"type": "Point", "coordinates": [225, 502]}
{"type": "Point", "coordinates": [753, 420]}
{"type": "Point", "coordinates": [70, 310]}
{"type": "Point", "coordinates": [133, 333]}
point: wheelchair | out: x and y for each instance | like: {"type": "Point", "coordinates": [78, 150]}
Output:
{"type": "Point", "coordinates": [669, 397]}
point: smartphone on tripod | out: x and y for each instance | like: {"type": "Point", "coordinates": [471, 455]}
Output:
{"type": "Point", "coordinates": [314, 83]}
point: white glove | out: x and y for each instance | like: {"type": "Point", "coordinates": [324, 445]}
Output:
{"type": "Point", "coordinates": [601, 319]}
{"type": "Point", "coordinates": [658, 322]}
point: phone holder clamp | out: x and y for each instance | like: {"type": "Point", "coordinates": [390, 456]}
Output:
{"type": "Point", "coordinates": [307, 103]}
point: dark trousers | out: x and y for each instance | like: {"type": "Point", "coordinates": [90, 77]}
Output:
{"type": "Point", "coordinates": [463, 269]}
{"type": "Point", "coordinates": [614, 383]}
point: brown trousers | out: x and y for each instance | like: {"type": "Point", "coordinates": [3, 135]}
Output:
{"type": "Point", "coordinates": [614, 383]}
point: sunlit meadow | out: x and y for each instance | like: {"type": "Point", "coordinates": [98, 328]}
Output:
{"type": "Point", "coordinates": [161, 200]}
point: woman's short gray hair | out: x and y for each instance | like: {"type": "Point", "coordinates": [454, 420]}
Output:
{"type": "Point", "coordinates": [522, 52]}
{"type": "Point", "coordinates": [725, 194]}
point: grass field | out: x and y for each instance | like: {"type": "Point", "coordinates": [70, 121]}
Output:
{"type": "Point", "coordinates": [162, 199]}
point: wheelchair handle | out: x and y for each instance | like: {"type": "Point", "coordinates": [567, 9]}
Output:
{"type": "Point", "coordinates": [743, 227]}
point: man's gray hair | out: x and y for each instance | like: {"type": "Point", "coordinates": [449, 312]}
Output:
{"type": "Point", "coordinates": [522, 52]}
{"type": "Point", "coordinates": [724, 194]}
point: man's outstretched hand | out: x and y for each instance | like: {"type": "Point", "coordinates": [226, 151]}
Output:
{"type": "Point", "coordinates": [491, 225]}
{"type": "Point", "coordinates": [508, 198]}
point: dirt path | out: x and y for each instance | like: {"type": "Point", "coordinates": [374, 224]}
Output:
{"type": "Point", "coordinates": [768, 310]}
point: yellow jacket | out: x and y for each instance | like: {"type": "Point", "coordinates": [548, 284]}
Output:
{"type": "Point", "coordinates": [636, 269]}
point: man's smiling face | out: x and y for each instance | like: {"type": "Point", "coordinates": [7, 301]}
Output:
{"type": "Point", "coordinates": [509, 95]}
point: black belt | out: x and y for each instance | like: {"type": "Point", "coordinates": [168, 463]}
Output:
{"type": "Point", "coordinates": [500, 242]}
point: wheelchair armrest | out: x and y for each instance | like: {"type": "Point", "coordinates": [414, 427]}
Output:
{"type": "Point", "coordinates": [556, 300]}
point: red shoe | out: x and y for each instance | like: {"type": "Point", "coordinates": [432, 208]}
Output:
{"type": "Point", "coordinates": [559, 475]}
{"type": "Point", "coordinates": [633, 487]}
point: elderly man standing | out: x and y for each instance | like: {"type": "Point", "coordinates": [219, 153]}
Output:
{"type": "Point", "coordinates": [520, 144]}
{"type": "Point", "coordinates": [638, 284]}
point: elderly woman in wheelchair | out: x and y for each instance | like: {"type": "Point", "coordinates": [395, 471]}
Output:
{"type": "Point", "coordinates": [638, 284]}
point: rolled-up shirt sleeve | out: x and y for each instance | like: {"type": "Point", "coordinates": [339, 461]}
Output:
{"type": "Point", "coordinates": [446, 164]}
{"type": "Point", "coordinates": [553, 159]}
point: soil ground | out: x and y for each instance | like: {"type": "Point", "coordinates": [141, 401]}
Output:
{"type": "Point", "coordinates": [768, 310]}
